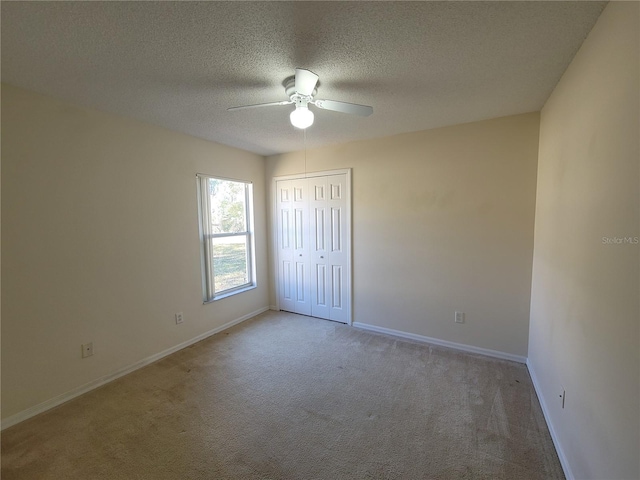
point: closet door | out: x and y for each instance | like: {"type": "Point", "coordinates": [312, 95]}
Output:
{"type": "Point", "coordinates": [293, 250]}
{"type": "Point", "coordinates": [314, 239]}
{"type": "Point", "coordinates": [338, 238]}
{"type": "Point", "coordinates": [319, 255]}
{"type": "Point", "coordinates": [330, 242]}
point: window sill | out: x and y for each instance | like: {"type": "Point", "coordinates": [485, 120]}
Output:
{"type": "Point", "coordinates": [230, 294]}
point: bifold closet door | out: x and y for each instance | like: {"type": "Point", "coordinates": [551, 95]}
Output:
{"type": "Point", "coordinates": [313, 242]}
{"type": "Point", "coordinates": [319, 255]}
{"type": "Point", "coordinates": [293, 251]}
{"type": "Point", "coordinates": [329, 243]}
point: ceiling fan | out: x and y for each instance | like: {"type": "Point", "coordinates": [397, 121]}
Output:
{"type": "Point", "coordinates": [300, 89]}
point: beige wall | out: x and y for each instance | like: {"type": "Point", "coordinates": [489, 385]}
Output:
{"type": "Point", "coordinates": [442, 221]}
{"type": "Point", "coordinates": [584, 312]}
{"type": "Point", "coordinates": [100, 243]}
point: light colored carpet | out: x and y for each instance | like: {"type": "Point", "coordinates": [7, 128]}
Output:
{"type": "Point", "coordinates": [285, 396]}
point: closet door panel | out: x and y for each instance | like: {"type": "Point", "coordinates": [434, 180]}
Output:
{"type": "Point", "coordinates": [293, 258]}
{"type": "Point", "coordinates": [320, 294]}
{"type": "Point", "coordinates": [339, 244]}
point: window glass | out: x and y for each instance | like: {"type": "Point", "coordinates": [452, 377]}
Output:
{"type": "Point", "coordinates": [226, 236]}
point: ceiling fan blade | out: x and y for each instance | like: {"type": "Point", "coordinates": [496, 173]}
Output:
{"type": "Point", "coordinates": [305, 81]}
{"type": "Point", "coordinates": [344, 107]}
{"type": "Point", "coordinates": [270, 104]}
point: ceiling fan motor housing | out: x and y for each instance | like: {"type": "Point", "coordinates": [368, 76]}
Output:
{"type": "Point", "coordinates": [290, 89]}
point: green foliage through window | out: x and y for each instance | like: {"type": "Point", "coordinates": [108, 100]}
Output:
{"type": "Point", "coordinates": [228, 206]}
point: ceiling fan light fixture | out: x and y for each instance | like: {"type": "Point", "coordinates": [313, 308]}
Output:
{"type": "Point", "coordinates": [301, 90]}
{"type": "Point", "coordinates": [301, 117]}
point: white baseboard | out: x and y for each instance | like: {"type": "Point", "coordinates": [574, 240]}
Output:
{"type": "Point", "coordinates": [65, 397]}
{"type": "Point", "coordinates": [563, 459]}
{"type": "Point", "coordinates": [273, 307]}
{"type": "Point", "coordinates": [443, 343]}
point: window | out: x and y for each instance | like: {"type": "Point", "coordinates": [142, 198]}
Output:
{"type": "Point", "coordinates": [226, 236]}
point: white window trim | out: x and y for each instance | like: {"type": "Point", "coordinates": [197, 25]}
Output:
{"type": "Point", "coordinates": [208, 278]}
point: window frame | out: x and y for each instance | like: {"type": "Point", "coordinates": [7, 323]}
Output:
{"type": "Point", "coordinates": [209, 293]}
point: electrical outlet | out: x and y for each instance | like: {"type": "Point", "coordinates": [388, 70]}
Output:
{"type": "Point", "coordinates": [459, 318]}
{"type": "Point", "coordinates": [179, 318]}
{"type": "Point", "coordinates": [87, 349]}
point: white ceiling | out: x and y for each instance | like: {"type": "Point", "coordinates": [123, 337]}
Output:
{"type": "Point", "coordinates": [181, 64]}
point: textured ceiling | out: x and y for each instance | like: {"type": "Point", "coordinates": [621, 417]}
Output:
{"type": "Point", "coordinates": [181, 64]}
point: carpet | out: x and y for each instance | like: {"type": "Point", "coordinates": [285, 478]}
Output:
{"type": "Point", "coordinates": [284, 396]}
